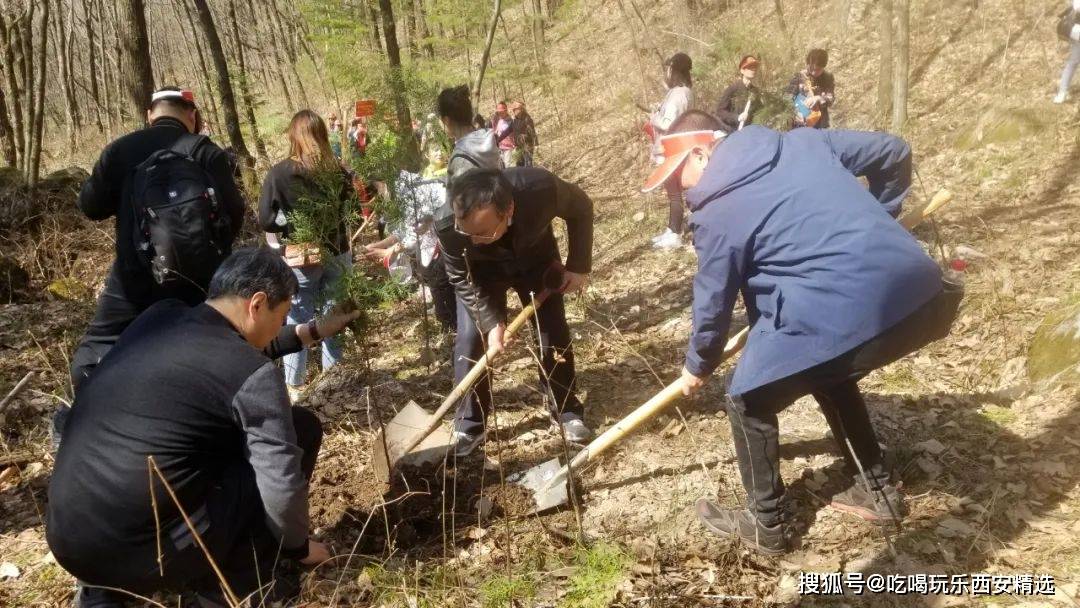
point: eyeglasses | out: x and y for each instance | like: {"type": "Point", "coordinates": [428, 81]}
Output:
{"type": "Point", "coordinates": [494, 236]}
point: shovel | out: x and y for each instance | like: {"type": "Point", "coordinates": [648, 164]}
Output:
{"type": "Point", "coordinates": [548, 480]}
{"type": "Point", "coordinates": [421, 438]}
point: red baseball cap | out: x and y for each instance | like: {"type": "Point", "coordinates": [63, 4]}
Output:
{"type": "Point", "coordinates": [676, 148]}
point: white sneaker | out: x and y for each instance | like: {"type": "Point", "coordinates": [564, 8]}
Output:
{"type": "Point", "coordinates": [1060, 97]}
{"type": "Point", "coordinates": [668, 240]}
{"type": "Point", "coordinates": [574, 429]}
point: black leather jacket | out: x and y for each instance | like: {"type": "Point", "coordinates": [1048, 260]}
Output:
{"type": "Point", "coordinates": [476, 271]}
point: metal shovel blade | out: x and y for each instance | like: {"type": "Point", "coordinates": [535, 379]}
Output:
{"type": "Point", "coordinates": [390, 441]}
{"type": "Point", "coordinates": [548, 492]}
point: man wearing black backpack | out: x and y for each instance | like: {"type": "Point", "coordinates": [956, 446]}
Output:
{"type": "Point", "coordinates": [177, 211]}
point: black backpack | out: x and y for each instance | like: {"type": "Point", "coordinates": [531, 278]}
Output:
{"type": "Point", "coordinates": [181, 233]}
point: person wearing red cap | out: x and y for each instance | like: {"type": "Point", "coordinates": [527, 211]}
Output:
{"type": "Point", "coordinates": [678, 99]}
{"type": "Point", "coordinates": [742, 99]}
{"type": "Point", "coordinates": [130, 287]}
{"type": "Point", "coordinates": [833, 286]}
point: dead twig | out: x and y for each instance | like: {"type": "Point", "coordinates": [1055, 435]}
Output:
{"type": "Point", "coordinates": [230, 596]}
{"type": "Point", "coordinates": [18, 389]}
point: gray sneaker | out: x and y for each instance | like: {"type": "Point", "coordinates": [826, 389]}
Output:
{"type": "Point", "coordinates": [574, 429]}
{"type": "Point", "coordinates": [465, 443]}
{"type": "Point", "coordinates": [882, 505]}
{"type": "Point", "coordinates": [742, 524]}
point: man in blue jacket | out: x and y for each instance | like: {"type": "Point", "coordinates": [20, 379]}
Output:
{"type": "Point", "coordinates": [833, 286]}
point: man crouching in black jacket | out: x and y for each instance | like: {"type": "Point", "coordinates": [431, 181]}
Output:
{"type": "Point", "coordinates": [194, 388]}
{"type": "Point", "coordinates": [495, 232]}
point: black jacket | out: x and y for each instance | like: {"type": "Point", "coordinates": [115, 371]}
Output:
{"type": "Point", "coordinates": [539, 197]}
{"type": "Point", "coordinates": [285, 184]}
{"type": "Point", "coordinates": [159, 392]}
{"type": "Point", "coordinates": [733, 102]}
{"type": "Point", "coordinates": [105, 195]}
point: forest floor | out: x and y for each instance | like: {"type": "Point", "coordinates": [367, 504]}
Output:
{"type": "Point", "coordinates": [988, 463]}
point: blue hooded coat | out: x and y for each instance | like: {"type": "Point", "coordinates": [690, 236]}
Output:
{"type": "Point", "coordinates": [821, 262]}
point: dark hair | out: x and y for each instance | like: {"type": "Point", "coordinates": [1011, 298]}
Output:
{"type": "Point", "coordinates": [479, 121]}
{"type": "Point", "coordinates": [695, 120]}
{"type": "Point", "coordinates": [251, 270]}
{"type": "Point", "coordinates": [477, 188]}
{"type": "Point", "coordinates": [681, 65]}
{"type": "Point", "coordinates": [173, 102]}
{"type": "Point", "coordinates": [818, 57]}
{"type": "Point", "coordinates": [454, 104]}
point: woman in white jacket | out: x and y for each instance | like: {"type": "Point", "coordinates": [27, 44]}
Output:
{"type": "Point", "coordinates": [679, 98]}
{"type": "Point", "coordinates": [1074, 53]}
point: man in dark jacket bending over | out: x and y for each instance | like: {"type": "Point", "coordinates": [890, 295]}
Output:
{"type": "Point", "coordinates": [834, 287]}
{"type": "Point", "coordinates": [194, 388]}
{"type": "Point", "coordinates": [495, 232]}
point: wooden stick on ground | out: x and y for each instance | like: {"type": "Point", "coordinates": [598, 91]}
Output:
{"type": "Point", "coordinates": [18, 389]}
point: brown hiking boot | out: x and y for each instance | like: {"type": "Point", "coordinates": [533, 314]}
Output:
{"type": "Point", "coordinates": [882, 505]}
{"type": "Point", "coordinates": [741, 523]}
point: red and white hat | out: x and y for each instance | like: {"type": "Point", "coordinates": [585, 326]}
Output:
{"type": "Point", "coordinates": [181, 95]}
{"type": "Point", "coordinates": [675, 148]}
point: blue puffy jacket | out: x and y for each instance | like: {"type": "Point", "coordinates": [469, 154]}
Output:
{"type": "Point", "coordinates": [821, 262]}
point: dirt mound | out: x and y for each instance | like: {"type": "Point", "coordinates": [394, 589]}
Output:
{"type": "Point", "coordinates": [417, 509]}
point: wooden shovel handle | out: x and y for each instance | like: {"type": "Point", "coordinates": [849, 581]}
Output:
{"type": "Point", "coordinates": [478, 370]}
{"type": "Point", "coordinates": [644, 412]}
{"type": "Point", "coordinates": [916, 217]}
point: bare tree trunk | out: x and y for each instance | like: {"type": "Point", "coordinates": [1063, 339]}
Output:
{"type": "Point", "coordinates": [92, 60]}
{"type": "Point", "coordinates": [316, 63]}
{"type": "Point", "coordinates": [423, 31]}
{"type": "Point", "coordinates": [779, 4]}
{"type": "Point", "coordinates": [885, 65]}
{"type": "Point", "coordinates": [7, 137]}
{"type": "Point", "coordinates": [495, 13]}
{"type": "Point", "coordinates": [410, 28]}
{"type": "Point", "coordinates": [14, 126]}
{"type": "Point", "coordinates": [245, 91]}
{"type": "Point", "coordinates": [69, 57]}
{"type": "Point", "coordinates": [373, 18]}
{"type": "Point", "coordinates": [228, 100]}
{"type": "Point", "coordinates": [119, 78]}
{"type": "Point", "coordinates": [277, 56]}
{"type": "Point", "coordinates": [393, 58]}
{"type": "Point", "coordinates": [29, 100]}
{"type": "Point", "coordinates": [63, 62]}
{"type": "Point", "coordinates": [900, 86]}
{"type": "Point", "coordinates": [106, 72]}
{"type": "Point", "coordinates": [290, 52]}
{"type": "Point", "coordinates": [204, 70]}
{"type": "Point", "coordinates": [39, 114]}
{"type": "Point", "coordinates": [137, 77]}
{"type": "Point", "coordinates": [537, 26]}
